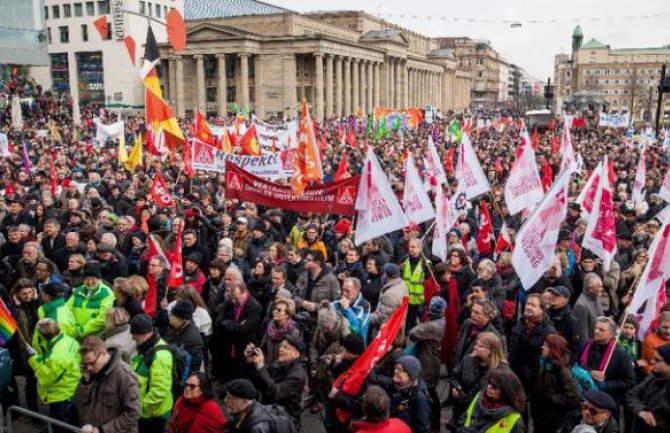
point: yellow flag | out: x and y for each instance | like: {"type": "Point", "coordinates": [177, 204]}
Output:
{"type": "Point", "coordinates": [55, 135]}
{"type": "Point", "coordinates": [123, 154]}
{"type": "Point", "coordinates": [135, 157]}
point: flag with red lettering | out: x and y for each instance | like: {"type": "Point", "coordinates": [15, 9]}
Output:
{"type": "Point", "coordinates": [569, 160]}
{"type": "Point", "coordinates": [472, 180]}
{"type": "Point", "coordinates": [433, 166]}
{"type": "Point", "coordinates": [536, 241]}
{"type": "Point", "coordinates": [415, 201]}
{"type": "Point", "coordinates": [160, 192]}
{"type": "Point", "coordinates": [343, 169]}
{"type": "Point", "coordinates": [644, 305]}
{"type": "Point", "coordinates": [640, 177]}
{"type": "Point", "coordinates": [378, 209]}
{"type": "Point", "coordinates": [485, 234]}
{"type": "Point", "coordinates": [176, 276]}
{"type": "Point", "coordinates": [523, 188]}
{"type": "Point", "coordinates": [441, 228]}
{"type": "Point", "coordinates": [588, 193]}
{"type": "Point", "coordinates": [350, 381]}
{"type": "Point", "coordinates": [664, 192]}
{"type": "Point", "coordinates": [600, 235]}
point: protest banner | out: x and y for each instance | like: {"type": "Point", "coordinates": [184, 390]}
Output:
{"type": "Point", "coordinates": [336, 198]}
{"type": "Point", "coordinates": [614, 120]}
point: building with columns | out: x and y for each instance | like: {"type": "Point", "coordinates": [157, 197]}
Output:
{"type": "Point", "coordinates": [341, 63]}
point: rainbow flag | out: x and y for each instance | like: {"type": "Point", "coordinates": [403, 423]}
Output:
{"type": "Point", "coordinates": [7, 324]}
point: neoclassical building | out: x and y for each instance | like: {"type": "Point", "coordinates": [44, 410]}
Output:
{"type": "Point", "coordinates": [340, 62]}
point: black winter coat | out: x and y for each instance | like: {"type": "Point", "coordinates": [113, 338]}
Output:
{"type": "Point", "coordinates": [566, 324]}
{"type": "Point", "coordinates": [652, 394]}
{"type": "Point", "coordinates": [190, 339]}
{"type": "Point", "coordinates": [619, 376]}
{"type": "Point", "coordinates": [282, 384]}
{"type": "Point", "coordinates": [524, 349]}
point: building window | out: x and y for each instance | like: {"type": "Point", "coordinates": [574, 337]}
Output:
{"type": "Point", "coordinates": [150, 10]}
{"type": "Point", "coordinates": [64, 34]}
{"type": "Point", "coordinates": [67, 11]}
{"type": "Point", "coordinates": [90, 9]}
{"type": "Point", "coordinates": [211, 94]}
{"type": "Point", "coordinates": [143, 8]}
{"type": "Point", "coordinates": [103, 7]}
{"type": "Point", "coordinates": [49, 35]}
{"type": "Point", "coordinates": [84, 33]}
{"type": "Point", "coordinates": [158, 11]}
{"type": "Point", "coordinates": [46, 12]}
{"type": "Point", "coordinates": [109, 31]}
{"type": "Point", "coordinates": [78, 10]}
{"type": "Point", "coordinates": [55, 11]}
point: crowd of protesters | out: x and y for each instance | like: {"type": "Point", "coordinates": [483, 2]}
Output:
{"type": "Point", "coordinates": [276, 305]}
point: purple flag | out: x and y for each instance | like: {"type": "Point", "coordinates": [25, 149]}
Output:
{"type": "Point", "coordinates": [26, 159]}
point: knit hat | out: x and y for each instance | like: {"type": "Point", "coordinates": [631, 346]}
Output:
{"type": "Point", "coordinates": [141, 324]}
{"type": "Point", "coordinates": [92, 269]}
{"type": "Point", "coordinates": [260, 227]}
{"type": "Point", "coordinates": [411, 365]}
{"type": "Point", "coordinates": [391, 270]}
{"type": "Point", "coordinates": [437, 306]}
{"type": "Point", "coordinates": [296, 342]}
{"type": "Point", "coordinates": [55, 290]}
{"type": "Point", "coordinates": [195, 257]}
{"type": "Point", "coordinates": [354, 343]}
{"type": "Point", "coordinates": [183, 310]}
{"type": "Point", "coordinates": [664, 351]}
{"type": "Point", "coordinates": [342, 226]}
{"type": "Point", "coordinates": [242, 388]}
{"type": "Point", "coordinates": [457, 232]}
{"type": "Point", "coordinates": [632, 321]}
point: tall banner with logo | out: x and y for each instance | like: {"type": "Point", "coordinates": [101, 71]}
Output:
{"type": "Point", "coordinates": [335, 198]}
{"type": "Point", "coordinates": [275, 136]}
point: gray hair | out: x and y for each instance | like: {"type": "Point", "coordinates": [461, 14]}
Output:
{"type": "Point", "coordinates": [608, 321]}
{"type": "Point", "coordinates": [489, 264]}
{"type": "Point", "coordinates": [355, 281]}
{"type": "Point", "coordinates": [109, 239]}
{"type": "Point", "coordinates": [591, 278]}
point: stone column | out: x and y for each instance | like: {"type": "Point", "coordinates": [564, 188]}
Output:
{"type": "Point", "coordinates": [318, 67]}
{"type": "Point", "coordinates": [444, 92]}
{"type": "Point", "coordinates": [244, 78]}
{"type": "Point", "coordinates": [376, 88]}
{"type": "Point", "coordinates": [259, 107]}
{"type": "Point", "coordinates": [391, 96]}
{"type": "Point", "coordinates": [289, 75]}
{"type": "Point", "coordinates": [172, 90]}
{"type": "Point", "coordinates": [364, 87]}
{"type": "Point", "coordinates": [355, 75]}
{"type": "Point", "coordinates": [370, 107]}
{"type": "Point", "coordinates": [397, 94]}
{"type": "Point", "coordinates": [347, 87]}
{"type": "Point", "coordinates": [338, 86]}
{"type": "Point", "coordinates": [181, 109]}
{"type": "Point", "coordinates": [410, 83]}
{"type": "Point", "coordinates": [329, 85]}
{"type": "Point", "coordinates": [221, 85]}
{"type": "Point", "coordinates": [405, 84]}
{"type": "Point", "coordinates": [200, 81]}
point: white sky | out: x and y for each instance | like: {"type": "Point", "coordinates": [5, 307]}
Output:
{"type": "Point", "coordinates": [532, 46]}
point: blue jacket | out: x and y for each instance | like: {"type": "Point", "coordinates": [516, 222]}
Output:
{"type": "Point", "coordinates": [358, 315]}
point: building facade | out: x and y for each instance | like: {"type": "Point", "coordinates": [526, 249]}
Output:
{"type": "Point", "coordinates": [22, 35]}
{"type": "Point", "coordinates": [93, 70]}
{"type": "Point", "coordinates": [599, 77]}
{"type": "Point", "coordinates": [341, 63]}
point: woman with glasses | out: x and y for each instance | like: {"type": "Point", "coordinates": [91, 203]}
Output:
{"type": "Point", "coordinates": [282, 324]}
{"type": "Point", "coordinates": [555, 392]}
{"type": "Point", "coordinates": [196, 411]}
{"type": "Point", "coordinates": [497, 407]}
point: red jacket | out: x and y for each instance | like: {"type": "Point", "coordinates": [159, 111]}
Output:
{"type": "Point", "coordinates": [196, 416]}
{"type": "Point", "coordinates": [391, 425]}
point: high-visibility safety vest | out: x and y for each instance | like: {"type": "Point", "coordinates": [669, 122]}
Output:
{"type": "Point", "coordinates": [503, 425]}
{"type": "Point", "coordinates": [414, 281]}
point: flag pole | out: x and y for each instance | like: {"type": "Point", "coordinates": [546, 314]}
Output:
{"type": "Point", "coordinates": [621, 323]}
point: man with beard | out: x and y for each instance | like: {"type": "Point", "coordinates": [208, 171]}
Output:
{"type": "Point", "coordinates": [13, 248]}
{"type": "Point", "coordinates": [15, 217]}
{"type": "Point", "coordinates": [52, 238]}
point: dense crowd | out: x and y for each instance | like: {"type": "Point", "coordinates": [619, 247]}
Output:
{"type": "Point", "coordinates": [276, 305]}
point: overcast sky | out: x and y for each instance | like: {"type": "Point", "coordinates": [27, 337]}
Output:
{"type": "Point", "coordinates": [532, 46]}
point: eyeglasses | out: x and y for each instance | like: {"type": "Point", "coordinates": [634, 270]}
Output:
{"type": "Point", "coordinates": [279, 310]}
{"type": "Point", "coordinates": [493, 384]}
{"type": "Point", "coordinates": [91, 364]}
{"type": "Point", "coordinates": [310, 259]}
{"type": "Point", "coordinates": [591, 409]}
{"type": "Point", "coordinates": [191, 386]}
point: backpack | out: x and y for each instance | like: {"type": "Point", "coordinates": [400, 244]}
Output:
{"type": "Point", "coordinates": [5, 369]}
{"type": "Point", "coordinates": [277, 418]}
{"type": "Point", "coordinates": [181, 366]}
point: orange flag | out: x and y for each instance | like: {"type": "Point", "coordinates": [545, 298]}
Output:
{"type": "Point", "coordinates": [101, 26]}
{"type": "Point", "coordinates": [201, 129]}
{"type": "Point", "coordinates": [130, 46]}
{"type": "Point", "coordinates": [308, 162]}
{"type": "Point", "coordinates": [249, 142]}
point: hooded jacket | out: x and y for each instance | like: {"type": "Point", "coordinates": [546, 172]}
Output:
{"type": "Point", "coordinates": [56, 367]}
{"type": "Point", "coordinates": [90, 310]}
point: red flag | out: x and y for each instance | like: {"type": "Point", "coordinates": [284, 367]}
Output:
{"type": "Point", "coordinates": [249, 142]}
{"type": "Point", "coordinates": [150, 299]}
{"type": "Point", "coordinates": [101, 26]}
{"type": "Point", "coordinates": [176, 276]}
{"type": "Point", "coordinates": [536, 139]}
{"type": "Point", "coordinates": [343, 169]}
{"type": "Point", "coordinates": [610, 172]}
{"type": "Point", "coordinates": [600, 235]}
{"type": "Point", "coordinates": [554, 146]}
{"type": "Point", "coordinates": [498, 166]}
{"type": "Point", "coordinates": [504, 240]}
{"type": "Point", "coordinates": [351, 139]}
{"type": "Point", "coordinates": [350, 381]}
{"type": "Point", "coordinates": [188, 160]}
{"type": "Point", "coordinates": [485, 233]}
{"type": "Point", "coordinates": [547, 175]}
{"type": "Point", "coordinates": [451, 329]}
{"type": "Point", "coordinates": [160, 193]}
{"type": "Point", "coordinates": [54, 178]}
{"type": "Point", "coordinates": [449, 163]}
{"type": "Point", "coordinates": [130, 47]}
{"type": "Point", "coordinates": [202, 130]}
{"type": "Point", "coordinates": [150, 146]}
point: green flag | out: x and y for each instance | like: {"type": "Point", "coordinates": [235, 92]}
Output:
{"type": "Point", "coordinates": [368, 129]}
{"type": "Point", "coordinates": [455, 130]}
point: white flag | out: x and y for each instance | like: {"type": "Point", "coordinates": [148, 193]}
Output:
{"type": "Point", "coordinates": [415, 201]}
{"type": "Point", "coordinates": [108, 132]}
{"type": "Point", "coordinates": [523, 188]}
{"type": "Point", "coordinates": [644, 303]}
{"type": "Point", "coordinates": [469, 172]}
{"type": "Point", "coordinates": [434, 167]}
{"type": "Point", "coordinates": [378, 209]}
{"type": "Point", "coordinates": [588, 193]}
{"type": "Point", "coordinates": [569, 160]}
{"type": "Point", "coordinates": [17, 113]}
{"type": "Point", "coordinates": [4, 145]}
{"type": "Point", "coordinates": [536, 241]}
{"type": "Point", "coordinates": [600, 235]}
{"type": "Point", "coordinates": [664, 192]}
{"type": "Point", "coordinates": [441, 228]}
{"type": "Point", "coordinates": [640, 178]}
